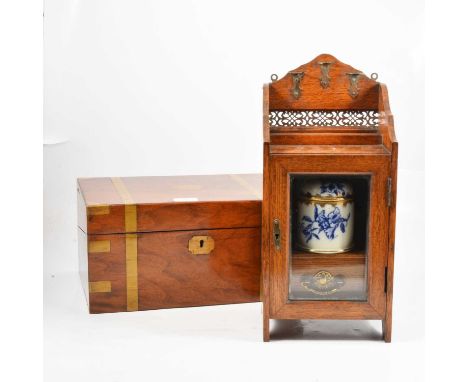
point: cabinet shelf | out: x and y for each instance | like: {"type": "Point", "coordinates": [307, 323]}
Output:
{"type": "Point", "coordinates": [358, 253]}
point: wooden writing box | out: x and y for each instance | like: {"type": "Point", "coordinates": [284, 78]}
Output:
{"type": "Point", "coordinates": [167, 242]}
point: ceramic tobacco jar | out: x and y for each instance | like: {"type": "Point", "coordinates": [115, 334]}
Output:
{"type": "Point", "coordinates": [325, 216]}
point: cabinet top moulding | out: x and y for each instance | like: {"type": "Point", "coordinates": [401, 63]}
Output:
{"type": "Point", "coordinates": [327, 102]}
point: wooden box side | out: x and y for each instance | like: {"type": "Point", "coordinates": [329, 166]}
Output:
{"type": "Point", "coordinates": [171, 276]}
{"type": "Point", "coordinates": [157, 270]}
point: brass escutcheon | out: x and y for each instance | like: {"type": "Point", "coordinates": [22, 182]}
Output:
{"type": "Point", "coordinates": [201, 245]}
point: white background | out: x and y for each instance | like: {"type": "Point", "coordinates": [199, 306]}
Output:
{"type": "Point", "coordinates": [168, 88]}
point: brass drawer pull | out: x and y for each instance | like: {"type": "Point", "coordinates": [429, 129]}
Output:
{"type": "Point", "coordinates": [201, 245]}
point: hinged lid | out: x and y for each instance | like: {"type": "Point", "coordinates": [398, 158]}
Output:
{"type": "Point", "coordinates": [169, 203]}
{"type": "Point", "coordinates": [326, 191]}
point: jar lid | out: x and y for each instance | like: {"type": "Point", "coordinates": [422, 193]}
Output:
{"type": "Point", "coordinates": [327, 190]}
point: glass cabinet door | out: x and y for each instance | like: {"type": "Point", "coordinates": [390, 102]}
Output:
{"type": "Point", "coordinates": [328, 237]}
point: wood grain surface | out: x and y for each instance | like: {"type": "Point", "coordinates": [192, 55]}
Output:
{"type": "Point", "coordinates": [170, 276]}
{"type": "Point", "coordinates": [172, 203]}
{"type": "Point", "coordinates": [318, 138]}
{"type": "Point", "coordinates": [313, 96]}
{"type": "Point", "coordinates": [164, 189]}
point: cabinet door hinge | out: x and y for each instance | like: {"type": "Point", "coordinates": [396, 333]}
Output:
{"type": "Point", "coordinates": [385, 283]}
{"type": "Point", "coordinates": [389, 192]}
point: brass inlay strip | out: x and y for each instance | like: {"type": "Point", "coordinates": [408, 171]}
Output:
{"type": "Point", "coordinates": [98, 246]}
{"type": "Point", "coordinates": [122, 190]}
{"type": "Point", "coordinates": [131, 255]}
{"type": "Point", "coordinates": [100, 287]}
{"type": "Point", "coordinates": [98, 210]}
{"type": "Point", "coordinates": [246, 185]}
{"type": "Point", "coordinates": [131, 244]}
{"type": "Point", "coordinates": [131, 218]}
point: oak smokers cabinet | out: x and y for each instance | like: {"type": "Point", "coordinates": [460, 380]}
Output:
{"type": "Point", "coordinates": [330, 166]}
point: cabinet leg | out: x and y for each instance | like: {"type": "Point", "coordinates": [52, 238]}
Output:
{"type": "Point", "coordinates": [387, 330]}
{"type": "Point", "coordinates": [266, 328]}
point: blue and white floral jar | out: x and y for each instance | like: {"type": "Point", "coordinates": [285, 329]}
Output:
{"type": "Point", "coordinates": [326, 216]}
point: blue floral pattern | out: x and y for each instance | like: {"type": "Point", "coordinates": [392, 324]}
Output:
{"type": "Point", "coordinates": [311, 228]}
{"type": "Point", "coordinates": [334, 188]}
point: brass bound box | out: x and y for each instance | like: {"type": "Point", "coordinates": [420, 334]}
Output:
{"type": "Point", "coordinates": [166, 242]}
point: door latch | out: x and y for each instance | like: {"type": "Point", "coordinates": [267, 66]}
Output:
{"type": "Point", "coordinates": [276, 234]}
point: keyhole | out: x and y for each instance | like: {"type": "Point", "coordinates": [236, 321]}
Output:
{"type": "Point", "coordinates": [277, 237]}
{"type": "Point", "coordinates": [201, 243]}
